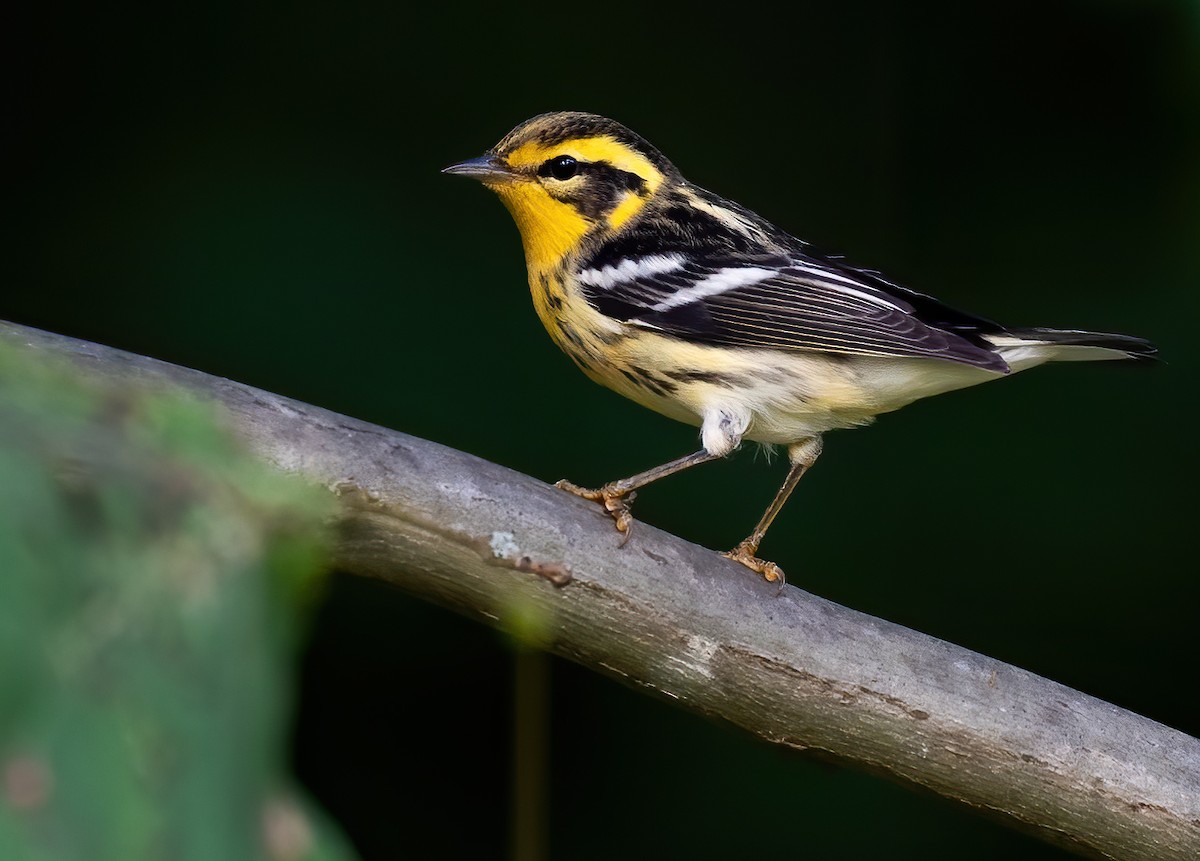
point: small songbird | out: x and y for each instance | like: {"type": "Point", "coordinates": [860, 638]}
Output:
{"type": "Point", "coordinates": [697, 308]}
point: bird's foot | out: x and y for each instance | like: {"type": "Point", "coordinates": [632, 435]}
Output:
{"type": "Point", "coordinates": [744, 553]}
{"type": "Point", "coordinates": [616, 502]}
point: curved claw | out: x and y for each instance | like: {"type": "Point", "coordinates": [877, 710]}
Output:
{"type": "Point", "coordinates": [615, 501]}
{"type": "Point", "coordinates": [744, 554]}
{"type": "Point", "coordinates": [618, 507]}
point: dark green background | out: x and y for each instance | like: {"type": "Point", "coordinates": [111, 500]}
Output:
{"type": "Point", "coordinates": [254, 191]}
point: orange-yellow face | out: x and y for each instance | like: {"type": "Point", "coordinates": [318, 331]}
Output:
{"type": "Point", "coordinates": [565, 175]}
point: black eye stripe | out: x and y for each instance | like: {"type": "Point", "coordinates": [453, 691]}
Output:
{"type": "Point", "coordinates": [563, 167]}
{"type": "Point", "coordinates": [560, 167]}
{"type": "Point", "coordinates": [634, 183]}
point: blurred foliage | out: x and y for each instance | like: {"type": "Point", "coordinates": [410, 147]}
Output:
{"type": "Point", "coordinates": [152, 578]}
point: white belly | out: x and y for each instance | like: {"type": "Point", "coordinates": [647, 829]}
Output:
{"type": "Point", "coordinates": [781, 397]}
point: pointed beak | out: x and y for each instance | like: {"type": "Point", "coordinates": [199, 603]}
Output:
{"type": "Point", "coordinates": [486, 168]}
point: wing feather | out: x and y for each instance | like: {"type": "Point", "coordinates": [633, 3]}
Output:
{"type": "Point", "coordinates": [791, 302]}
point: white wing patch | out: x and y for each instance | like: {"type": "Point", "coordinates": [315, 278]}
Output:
{"type": "Point", "coordinates": [721, 281]}
{"type": "Point", "coordinates": [825, 276]}
{"type": "Point", "coordinates": [866, 297]}
{"type": "Point", "coordinates": [630, 270]}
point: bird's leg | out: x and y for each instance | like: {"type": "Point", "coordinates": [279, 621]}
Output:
{"type": "Point", "coordinates": [618, 496]}
{"type": "Point", "coordinates": [802, 455]}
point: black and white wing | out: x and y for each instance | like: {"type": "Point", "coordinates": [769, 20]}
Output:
{"type": "Point", "coordinates": [790, 301]}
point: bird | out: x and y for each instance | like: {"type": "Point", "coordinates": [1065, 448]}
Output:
{"type": "Point", "coordinates": [695, 307]}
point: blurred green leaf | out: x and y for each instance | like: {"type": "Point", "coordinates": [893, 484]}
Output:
{"type": "Point", "coordinates": [152, 578]}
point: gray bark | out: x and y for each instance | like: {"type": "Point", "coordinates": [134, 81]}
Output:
{"type": "Point", "coordinates": [678, 619]}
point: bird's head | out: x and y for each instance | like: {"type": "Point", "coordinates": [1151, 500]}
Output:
{"type": "Point", "coordinates": [565, 175]}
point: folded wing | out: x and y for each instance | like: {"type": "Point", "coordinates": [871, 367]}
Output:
{"type": "Point", "coordinates": [788, 302]}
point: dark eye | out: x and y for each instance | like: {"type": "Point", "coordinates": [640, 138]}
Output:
{"type": "Point", "coordinates": [559, 167]}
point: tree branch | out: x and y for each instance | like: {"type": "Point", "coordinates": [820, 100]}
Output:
{"type": "Point", "coordinates": [679, 619]}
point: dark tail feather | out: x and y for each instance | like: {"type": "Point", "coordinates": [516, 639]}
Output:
{"type": "Point", "coordinates": [1133, 348]}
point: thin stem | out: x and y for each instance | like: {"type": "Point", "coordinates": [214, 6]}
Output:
{"type": "Point", "coordinates": [531, 734]}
